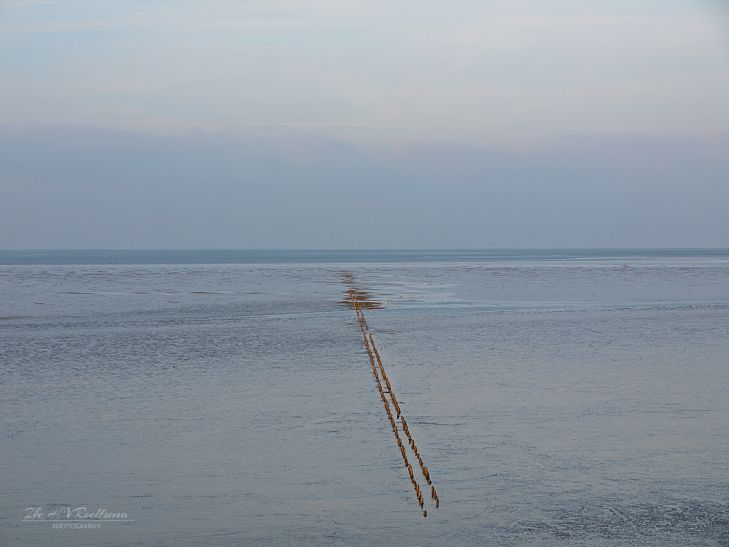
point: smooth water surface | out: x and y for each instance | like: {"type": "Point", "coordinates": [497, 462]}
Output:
{"type": "Point", "coordinates": [225, 398]}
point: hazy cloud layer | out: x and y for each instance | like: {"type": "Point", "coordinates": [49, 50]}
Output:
{"type": "Point", "coordinates": [281, 123]}
{"type": "Point", "coordinates": [92, 188]}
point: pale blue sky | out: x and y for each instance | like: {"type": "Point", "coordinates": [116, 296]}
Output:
{"type": "Point", "coordinates": [398, 69]}
{"type": "Point", "coordinates": [544, 102]}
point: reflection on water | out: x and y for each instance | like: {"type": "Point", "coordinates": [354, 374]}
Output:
{"type": "Point", "coordinates": [359, 301]}
{"type": "Point", "coordinates": [561, 400]}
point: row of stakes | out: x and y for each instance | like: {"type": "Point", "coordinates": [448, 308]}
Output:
{"type": "Point", "coordinates": [380, 375]}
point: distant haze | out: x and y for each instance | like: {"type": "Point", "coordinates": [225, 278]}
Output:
{"type": "Point", "coordinates": [364, 124]}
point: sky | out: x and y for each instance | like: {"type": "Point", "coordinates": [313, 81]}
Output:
{"type": "Point", "coordinates": [364, 124]}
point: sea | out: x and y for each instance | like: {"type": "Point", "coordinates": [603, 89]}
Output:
{"type": "Point", "coordinates": [225, 397]}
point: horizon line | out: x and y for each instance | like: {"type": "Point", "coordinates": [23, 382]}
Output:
{"type": "Point", "coordinates": [356, 249]}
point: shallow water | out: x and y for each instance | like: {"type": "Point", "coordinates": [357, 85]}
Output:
{"type": "Point", "coordinates": [225, 398]}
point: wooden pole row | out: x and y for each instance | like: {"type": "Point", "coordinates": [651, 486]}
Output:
{"type": "Point", "coordinates": [378, 371]}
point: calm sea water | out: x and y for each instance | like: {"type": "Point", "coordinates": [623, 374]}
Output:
{"type": "Point", "coordinates": [225, 398]}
